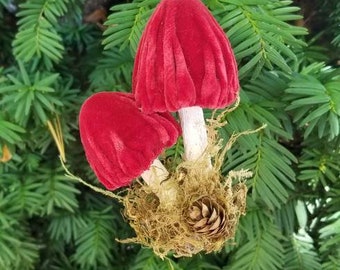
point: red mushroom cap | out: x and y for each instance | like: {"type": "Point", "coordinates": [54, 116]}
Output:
{"type": "Point", "coordinates": [120, 141]}
{"type": "Point", "coordinates": [184, 59]}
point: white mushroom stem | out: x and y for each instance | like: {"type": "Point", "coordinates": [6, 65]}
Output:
{"type": "Point", "coordinates": [194, 131]}
{"type": "Point", "coordinates": [195, 140]}
{"type": "Point", "coordinates": [156, 177]}
{"type": "Point", "coordinates": [156, 174]}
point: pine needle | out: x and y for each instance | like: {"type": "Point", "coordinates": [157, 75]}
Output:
{"type": "Point", "coordinates": [54, 127]}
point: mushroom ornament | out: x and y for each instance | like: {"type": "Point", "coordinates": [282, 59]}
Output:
{"type": "Point", "coordinates": [121, 143]}
{"type": "Point", "coordinates": [185, 63]}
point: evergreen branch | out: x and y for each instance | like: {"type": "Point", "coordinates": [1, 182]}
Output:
{"type": "Point", "coordinates": [9, 132]}
{"type": "Point", "coordinates": [330, 236]}
{"type": "Point", "coordinates": [271, 178]}
{"type": "Point", "coordinates": [286, 217]}
{"type": "Point", "coordinates": [58, 192]}
{"type": "Point", "coordinates": [146, 260]}
{"type": "Point", "coordinates": [332, 263]}
{"type": "Point", "coordinates": [18, 249]}
{"type": "Point", "coordinates": [94, 242]}
{"type": "Point", "coordinates": [24, 196]}
{"type": "Point", "coordinates": [300, 253]}
{"type": "Point", "coordinates": [259, 34]}
{"type": "Point", "coordinates": [113, 70]}
{"type": "Point", "coordinates": [334, 18]}
{"type": "Point", "coordinates": [7, 219]}
{"type": "Point", "coordinates": [271, 165]}
{"type": "Point", "coordinates": [316, 105]}
{"type": "Point", "coordinates": [126, 24]}
{"type": "Point", "coordinates": [197, 263]}
{"type": "Point", "coordinates": [312, 53]}
{"type": "Point", "coordinates": [66, 227]}
{"type": "Point", "coordinates": [319, 167]}
{"type": "Point", "coordinates": [30, 96]}
{"type": "Point", "coordinates": [260, 104]}
{"type": "Point", "coordinates": [262, 249]}
{"type": "Point", "coordinates": [37, 35]}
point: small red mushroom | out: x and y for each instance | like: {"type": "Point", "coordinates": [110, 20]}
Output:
{"type": "Point", "coordinates": [120, 141]}
{"type": "Point", "coordinates": [185, 63]}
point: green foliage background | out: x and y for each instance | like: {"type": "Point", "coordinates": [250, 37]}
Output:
{"type": "Point", "coordinates": [50, 62]}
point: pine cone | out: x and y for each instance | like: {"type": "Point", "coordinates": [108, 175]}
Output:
{"type": "Point", "coordinates": [207, 217]}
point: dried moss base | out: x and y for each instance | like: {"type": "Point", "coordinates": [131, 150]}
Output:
{"type": "Point", "coordinates": [161, 217]}
{"type": "Point", "coordinates": [164, 226]}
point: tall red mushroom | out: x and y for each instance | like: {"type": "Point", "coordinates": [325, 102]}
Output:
{"type": "Point", "coordinates": [185, 63]}
{"type": "Point", "coordinates": [120, 141]}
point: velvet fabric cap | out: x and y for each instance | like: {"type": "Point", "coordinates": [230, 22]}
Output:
{"type": "Point", "coordinates": [184, 59]}
{"type": "Point", "coordinates": [120, 141]}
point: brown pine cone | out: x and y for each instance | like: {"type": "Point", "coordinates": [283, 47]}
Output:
{"type": "Point", "coordinates": [207, 217]}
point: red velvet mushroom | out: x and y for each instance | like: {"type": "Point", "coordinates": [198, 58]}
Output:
{"type": "Point", "coordinates": [120, 141]}
{"type": "Point", "coordinates": [184, 63]}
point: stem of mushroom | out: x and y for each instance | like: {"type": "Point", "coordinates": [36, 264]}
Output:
{"type": "Point", "coordinates": [195, 138]}
{"type": "Point", "coordinates": [155, 174]}
{"type": "Point", "coordinates": [155, 177]}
